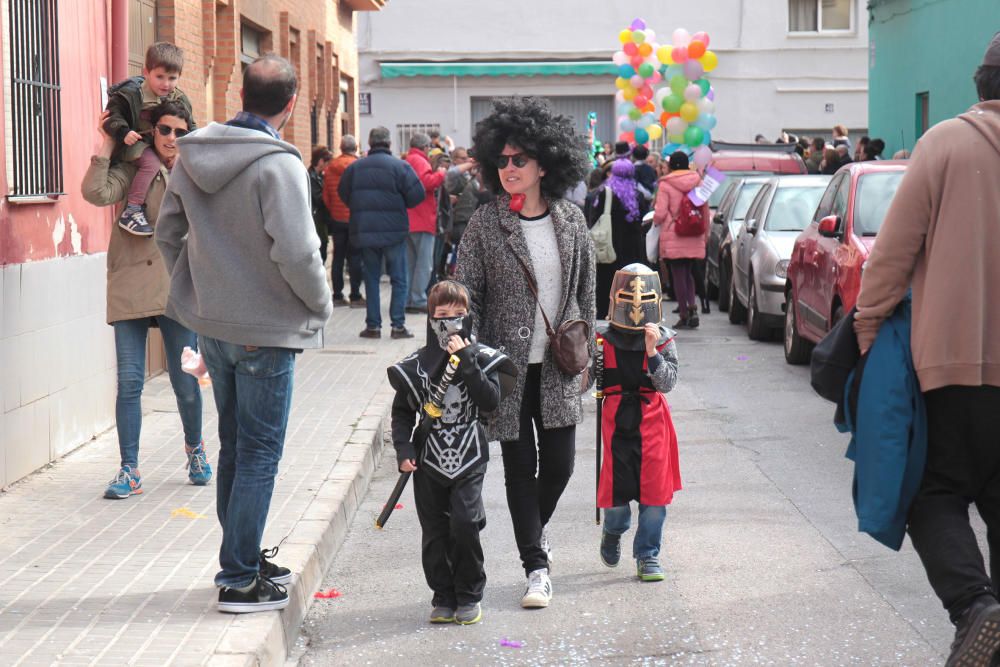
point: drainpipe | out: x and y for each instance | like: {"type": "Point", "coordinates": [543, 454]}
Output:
{"type": "Point", "coordinates": [119, 39]}
{"type": "Point", "coordinates": [454, 84]}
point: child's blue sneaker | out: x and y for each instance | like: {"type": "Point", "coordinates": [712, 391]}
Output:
{"type": "Point", "coordinates": [611, 549]}
{"type": "Point", "coordinates": [648, 569]}
{"type": "Point", "coordinates": [199, 471]}
{"type": "Point", "coordinates": [126, 483]}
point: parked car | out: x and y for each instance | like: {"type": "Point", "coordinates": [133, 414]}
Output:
{"type": "Point", "coordinates": [725, 226]}
{"type": "Point", "coordinates": [783, 207]}
{"type": "Point", "coordinates": [824, 274]}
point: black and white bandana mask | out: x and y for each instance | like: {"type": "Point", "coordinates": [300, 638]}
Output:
{"type": "Point", "coordinates": [446, 327]}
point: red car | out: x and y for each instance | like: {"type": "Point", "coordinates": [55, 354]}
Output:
{"type": "Point", "coordinates": [824, 273]}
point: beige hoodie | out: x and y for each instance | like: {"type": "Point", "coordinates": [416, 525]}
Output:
{"type": "Point", "coordinates": [942, 232]}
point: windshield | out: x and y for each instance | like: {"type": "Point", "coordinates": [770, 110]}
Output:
{"type": "Point", "coordinates": [743, 202]}
{"type": "Point", "coordinates": [792, 209]}
{"type": "Point", "coordinates": [875, 193]}
{"type": "Point", "coordinates": [716, 197]}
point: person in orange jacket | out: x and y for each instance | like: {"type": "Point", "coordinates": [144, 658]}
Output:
{"type": "Point", "coordinates": [339, 229]}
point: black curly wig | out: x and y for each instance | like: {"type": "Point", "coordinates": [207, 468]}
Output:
{"type": "Point", "coordinates": [530, 124]}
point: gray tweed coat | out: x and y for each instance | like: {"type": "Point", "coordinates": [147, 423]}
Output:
{"type": "Point", "coordinates": [504, 306]}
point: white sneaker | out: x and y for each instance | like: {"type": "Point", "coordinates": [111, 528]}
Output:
{"type": "Point", "coordinates": [546, 546]}
{"type": "Point", "coordinates": [539, 590]}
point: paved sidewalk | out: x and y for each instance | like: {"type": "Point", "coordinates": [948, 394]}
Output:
{"type": "Point", "coordinates": [89, 581]}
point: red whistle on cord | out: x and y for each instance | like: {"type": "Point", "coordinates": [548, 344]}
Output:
{"type": "Point", "coordinates": [517, 202]}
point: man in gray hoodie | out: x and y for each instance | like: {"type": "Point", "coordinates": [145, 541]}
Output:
{"type": "Point", "coordinates": [236, 233]}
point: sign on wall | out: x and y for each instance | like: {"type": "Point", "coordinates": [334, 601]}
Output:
{"type": "Point", "coordinates": [365, 104]}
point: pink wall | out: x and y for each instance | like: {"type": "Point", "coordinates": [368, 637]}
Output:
{"type": "Point", "coordinates": [70, 226]}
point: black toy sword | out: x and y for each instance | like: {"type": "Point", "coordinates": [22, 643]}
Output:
{"type": "Point", "coordinates": [599, 395]}
{"type": "Point", "coordinates": [432, 411]}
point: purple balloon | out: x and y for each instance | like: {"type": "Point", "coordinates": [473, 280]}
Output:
{"type": "Point", "coordinates": [711, 94]}
{"type": "Point", "coordinates": [638, 24]}
{"type": "Point", "coordinates": [693, 70]}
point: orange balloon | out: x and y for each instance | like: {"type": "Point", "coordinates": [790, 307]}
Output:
{"type": "Point", "coordinates": [664, 117]}
{"type": "Point", "coordinates": [645, 49]}
{"type": "Point", "coordinates": [649, 108]}
{"type": "Point", "coordinates": [696, 49]}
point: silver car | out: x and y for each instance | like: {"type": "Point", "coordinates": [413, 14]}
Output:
{"type": "Point", "coordinates": [783, 207]}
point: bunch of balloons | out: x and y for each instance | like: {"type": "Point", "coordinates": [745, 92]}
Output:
{"type": "Point", "coordinates": [638, 72]}
{"type": "Point", "coordinates": [688, 100]}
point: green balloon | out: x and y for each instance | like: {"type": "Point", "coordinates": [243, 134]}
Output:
{"type": "Point", "coordinates": [646, 70]}
{"type": "Point", "coordinates": [678, 84]}
{"type": "Point", "coordinates": [638, 36]}
{"type": "Point", "coordinates": [704, 85]}
{"type": "Point", "coordinates": [635, 114]}
{"type": "Point", "coordinates": [693, 136]}
{"type": "Point", "coordinates": [672, 103]}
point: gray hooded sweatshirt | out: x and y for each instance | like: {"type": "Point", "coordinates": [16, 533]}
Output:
{"type": "Point", "coordinates": [237, 236]}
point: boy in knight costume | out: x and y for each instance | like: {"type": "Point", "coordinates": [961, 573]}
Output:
{"type": "Point", "coordinates": [449, 450]}
{"type": "Point", "coordinates": [637, 364]}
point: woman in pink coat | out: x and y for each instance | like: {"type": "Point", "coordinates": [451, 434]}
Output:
{"type": "Point", "coordinates": [678, 253]}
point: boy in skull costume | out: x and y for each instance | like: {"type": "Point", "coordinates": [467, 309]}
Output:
{"type": "Point", "coordinates": [639, 444]}
{"type": "Point", "coordinates": [450, 463]}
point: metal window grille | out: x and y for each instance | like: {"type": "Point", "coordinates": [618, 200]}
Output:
{"type": "Point", "coordinates": [35, 99]}
{"type": "Point", "coordinates": [405, 132]}
{"type": "Point", "coordinates": [329, 129]}
{"type": "Point", "coordinates": [314, 125]}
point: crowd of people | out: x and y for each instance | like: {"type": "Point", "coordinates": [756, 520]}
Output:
{"type": "Point", "coordinates": [826, 155]}
{"type": "Point", "coordinates": [540, 246]}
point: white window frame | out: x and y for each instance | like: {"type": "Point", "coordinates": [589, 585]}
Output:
{"type": "Point", "coordinates": [819, 31]}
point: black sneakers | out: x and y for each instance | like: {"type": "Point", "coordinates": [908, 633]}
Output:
{"type": "Point", "coordinates": [401, 332]}
{"type": "Point", "coordinates": [269, 570]}
{"type": "Point", "coordinates": [611, 549]}
{"type": "Point", "coordinates": [977, 635]}
{"type": "Point", "coordinates": [263, 595]}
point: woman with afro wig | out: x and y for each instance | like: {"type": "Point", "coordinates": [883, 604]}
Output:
{"type": "Point", "coordinates": [529, 158]}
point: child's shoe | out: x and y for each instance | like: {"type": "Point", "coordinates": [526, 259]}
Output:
{"type": "Point", "coordinates": [133, 220]}
{"type": "Point", "coordinates": [443, 614]}
{"type": "Point", "coordinates": [648, 569]}
{"type": "Point", "coordinates": [126, 483]}
{"type": "Point", "coordinates": [467, 614]}
{"type": "Point", "coordinates": [199, 471]}
{"type": "Point", "coordinates": [611, 549]}
{"type": "Point", "coordinates": [539, 591]}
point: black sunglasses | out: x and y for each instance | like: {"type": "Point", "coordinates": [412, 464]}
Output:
{"type": "Point", "coordinates": [166, 131]}
{"type": "Point", "coordinates": [519, 160]}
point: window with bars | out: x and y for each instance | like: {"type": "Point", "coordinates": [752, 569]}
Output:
{"type": "Point", "coordinates": [405, 132]}
{"type": "Point", "coordinates": [820, 15]}
{"type": "Point", "coordinates": [36, 113]}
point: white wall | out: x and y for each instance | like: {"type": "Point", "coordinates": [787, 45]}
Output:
{"type": "Point", "coordinates": [57, 361]}
{"type": "Point", "coordinates": [767, 80]}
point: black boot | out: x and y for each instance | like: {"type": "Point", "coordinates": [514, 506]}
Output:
{"type": "Point", "coordinates": [706, 307]}
{"type": "Point", "coordinates": [977, 633]}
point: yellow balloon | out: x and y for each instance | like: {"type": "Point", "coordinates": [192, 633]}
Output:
{"type": "Point", "coordinates": [709, 61]}
{"type": "Point", "coordinates": [655, 132]}
{"type": "Point", "coordinates": [663, 55]}
{"type": "Point", "coordinates": [676, 138]}
{"type": "Point", "coordinates": [689, 112]}
{"type": "Point", "coordinates": [625, 36]}
{"type": "Point", "coordinates": [630, 92]}
{"type": "Point", "coordinates": [621, 84]}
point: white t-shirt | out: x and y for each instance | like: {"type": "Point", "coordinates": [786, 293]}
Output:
{"type": "Point", "coordinates": [541, 238]}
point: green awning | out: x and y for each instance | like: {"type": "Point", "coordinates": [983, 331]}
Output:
{"type": "Point", "coordinates": [541, 68]}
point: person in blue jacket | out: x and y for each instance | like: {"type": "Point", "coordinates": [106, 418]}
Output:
{"type": "Point", "coordinates": [378, 189]}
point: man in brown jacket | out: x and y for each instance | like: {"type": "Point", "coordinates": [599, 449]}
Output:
{"type": "Point", "coordinates": [942, 233]}
{"type": "Point", "coordinates": [342, 249]}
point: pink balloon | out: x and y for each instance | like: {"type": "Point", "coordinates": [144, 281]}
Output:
{"type": "Point", "coordinates": [620, 58]}
{"type": "Point", "coordinates": [657, 77]}
{"type": "Point", "coordinates": [640, 101]}
{"type": "Point", "coordinates": [679, 54]}
{"type": "Point", "coordinates": [681, 37]}
{"type": "Point", "coordinates": [700, 37]}
{"type": "Point", "coordinates": [637, 81]}
{"type": "Point", "coordinates": [702, 156]}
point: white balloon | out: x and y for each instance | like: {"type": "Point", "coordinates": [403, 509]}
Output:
{"type": "Point", "coordinates": [620, 58]}
{"type": "Point", "coordinates": [650, 36]}
{"type": "Point", "coordinates": [676, 125]}
{"type": "Point", "coordinates": [681, 37]}
{"type": "Point", "coordinates": [706, 106]}
{"type": "Point", "coordinates": [692, 93]}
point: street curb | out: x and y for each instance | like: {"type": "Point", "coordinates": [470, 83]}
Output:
{"type": "Point", "coordinates": [265, 639]}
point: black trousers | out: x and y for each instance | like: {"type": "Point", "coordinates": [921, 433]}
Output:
{"type": "Point", "coordinates": [963, 467]}
{"type": "Point", "coordinates": [343, 251]}
{"type": "Point", "coordinates": [698, 271]}
{"type": "Point", "coordinates": [451, 518]}
{"type": "Point", "coordinates": [532, 499]}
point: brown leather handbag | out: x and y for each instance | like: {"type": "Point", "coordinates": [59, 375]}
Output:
{"type": "Point", "coordinates": [570, 343]}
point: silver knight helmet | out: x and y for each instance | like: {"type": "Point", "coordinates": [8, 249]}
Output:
{"type": "Point", "coordinates": [635, 298]}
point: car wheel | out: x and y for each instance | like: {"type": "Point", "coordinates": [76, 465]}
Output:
{"type": "Point", "coordinates": [737, 311]}
{"type": "Point", "coordinates": [797, 349]}
{"type": "Point", "coordinates": [724, 296]}
{"type": "Point", "coordinates": [755, 325]}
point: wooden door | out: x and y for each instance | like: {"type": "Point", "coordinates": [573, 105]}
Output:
{"type": "Point", "coordinates": [141, 32]}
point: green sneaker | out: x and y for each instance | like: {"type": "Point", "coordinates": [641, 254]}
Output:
{"type": "Point", "coordinates": [442, 614]}
{"type": "Point", "coordinates": [648, 569]}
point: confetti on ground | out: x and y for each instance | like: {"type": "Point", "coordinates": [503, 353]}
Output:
{"type": "Point", "coordinates": [329, 594]}
{"type": "Point", "coordinates": [742, 357]}
{"type": "Point", "coordinates": [186, 513]}
{"type": "Point", "coordinates": [511, 643]}
{"type": "Point", "coordinates": [399, 506]}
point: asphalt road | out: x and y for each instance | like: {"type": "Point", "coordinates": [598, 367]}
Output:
{"type": "Point", "coordinates": [765, 565]}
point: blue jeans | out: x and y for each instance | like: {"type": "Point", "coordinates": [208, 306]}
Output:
{"type": "Point", "coordinates": [395, 263]}
{"type": "Point", "coordinates": [420, 259]}
{"type": "Point", "coordinates": [253, 395]}
{"type": "Point", "coordinates": [130, 350]}
{"type": "Point", "coordinates": [646, 543]}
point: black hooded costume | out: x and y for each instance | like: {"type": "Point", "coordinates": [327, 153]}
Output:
{"type": "Point", "coordinates": [451, 462]}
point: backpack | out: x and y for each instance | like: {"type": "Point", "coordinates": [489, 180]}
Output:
{"type": "Point", "coordinates": [690, 220]}
{"type": "Point", "coordinates": [604, 250]}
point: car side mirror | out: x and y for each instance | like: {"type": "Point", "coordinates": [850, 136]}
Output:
{"type": "Point", "coordinates": [752, 226]}
{"type": "Point", "coordinates": [830, 226]}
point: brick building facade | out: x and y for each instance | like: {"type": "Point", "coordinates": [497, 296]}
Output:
{"type": "Point", "coordinates": [57, 358]}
